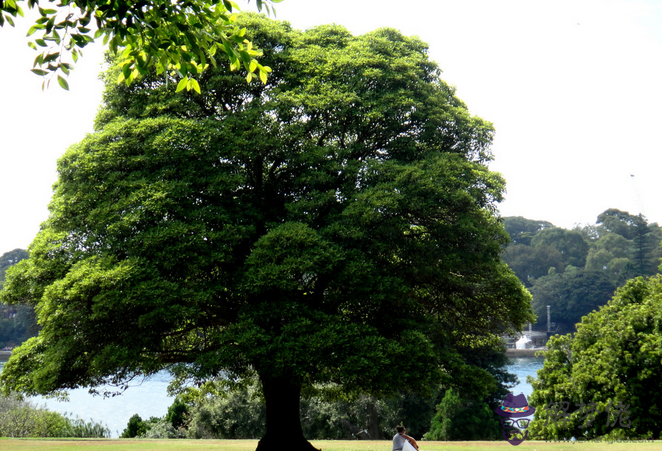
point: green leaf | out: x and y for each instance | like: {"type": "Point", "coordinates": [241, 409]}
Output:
{"type": "Point", "coordinates": [63, 83]}
{"type": "Point", "coordinates": [39, 72]}
{"type": "Point", "coordinates": [32, 45]}
{"type": "Point", "coordinates": [181, 85]}
{"type": "Point", "coordinates": [126, 70]}
{"type": "Point", "coordinates": [51, 57]}
{"type": "Point", "coordinates": [193, 83]}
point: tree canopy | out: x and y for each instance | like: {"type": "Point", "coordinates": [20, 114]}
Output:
{"type": "Point", "coordinates": [521, 230]}
{"type": "Point", "coordinates": [335, 225]}
{"type": "Point", "coordinates": [182, 37]}
{"type": "Point", "coordinates": [571, 295]}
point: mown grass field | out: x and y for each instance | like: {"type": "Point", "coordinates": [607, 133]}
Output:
{"type": "Point", "coordinates": [339, 445]}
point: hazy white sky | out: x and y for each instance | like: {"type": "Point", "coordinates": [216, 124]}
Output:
{"type": "Point", "coordinates": [573, 88]}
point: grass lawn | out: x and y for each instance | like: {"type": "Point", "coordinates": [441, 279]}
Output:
{"type": "Point", "coordinates": [336, 445]}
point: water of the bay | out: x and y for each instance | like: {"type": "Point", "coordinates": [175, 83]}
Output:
{"type": "Point", "coordinates": [147, 399]}
{"type": "Point", "coordinates": [523, 367]}
{"type": "Point", "coordinates": [150, 398]}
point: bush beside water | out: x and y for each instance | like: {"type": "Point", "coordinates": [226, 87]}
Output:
{"type": "Point", "coordinates": [20, 418]}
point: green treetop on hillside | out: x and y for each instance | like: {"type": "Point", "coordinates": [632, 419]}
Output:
{"type": "Point", "coordinates": [336, 225]}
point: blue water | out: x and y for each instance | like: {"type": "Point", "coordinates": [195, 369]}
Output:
{"type": "Point", "coordinates": [151, 399]}
{"type": "Point", "coordinates": [523, 367]}
{"type": "Point", "coordinates": [148, 399]}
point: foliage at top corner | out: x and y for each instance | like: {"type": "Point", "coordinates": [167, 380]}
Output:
{"type": "Point", "coordinates": [183, 37]}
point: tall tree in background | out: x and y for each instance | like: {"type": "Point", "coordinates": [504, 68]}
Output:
{"type": "Point", "coordinates": [522, 230]}
{"type": "Point", "coordinates": [569, 243]}
{"type": "Point", "coordinates": [17, 322]}
{"type": "Point", "coordinates": [9, 259]}
{"type": "Point", "coordinates": [336, 225]}
{"type": "Point", "coordinates": [619, 222]}
{"type": "Point", "coordinates": [571, 295]}
{"type": "Point", "coordinates": [530, 263]}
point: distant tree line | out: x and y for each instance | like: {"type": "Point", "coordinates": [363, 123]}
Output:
{"type": "Point", "coordinates": [577, 271]}
{"type": "Point", "coordinates": [17, 322]}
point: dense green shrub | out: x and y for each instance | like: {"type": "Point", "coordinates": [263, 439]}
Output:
{"type": "Point", "coordinates": [84, 429]}
{"type": "Point", "coordinates": [235, 415]}
{"type": "Point", "coordinates": [162, 428]}
{"type": "Point", "coordinates": [20, 418]}
{"type": "Point", "coordinates": [177, 413]}
{"type": "Point", "coordinates": [135, 427]}
{"type": "Point", "coordinates": [460, 419]}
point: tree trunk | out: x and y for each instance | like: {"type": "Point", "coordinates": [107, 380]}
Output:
{"type": "Point", "coordinates": [374, 430]}
{"type": "Point", "coordinates": [283, 417]}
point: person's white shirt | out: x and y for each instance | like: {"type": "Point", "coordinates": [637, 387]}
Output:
{"type": "Point", "coordinates": [398, 442]}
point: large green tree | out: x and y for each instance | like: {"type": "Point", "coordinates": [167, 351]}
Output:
{"type": "Point", "coordinates": [522, 230]}
{"type": "Point", "coordinates": [570, 243]}
{"type": "Point", "coordinates": [531, 263]}
{"type": "Point", "coordinates": [336, 225]}
{"type": "Point", "coordinates": [619, 222]}
{"type": "Point", "coordinates": [605, 381]}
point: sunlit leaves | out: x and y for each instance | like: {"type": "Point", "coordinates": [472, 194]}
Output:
{"type": "Point", "coordinates": [170, 36]}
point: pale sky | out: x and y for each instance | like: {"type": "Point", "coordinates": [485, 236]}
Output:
{"type": "Point", "coordinates": [574, 89]}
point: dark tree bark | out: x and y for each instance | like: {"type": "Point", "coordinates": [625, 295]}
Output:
{"type": "Point", "coordinates": [282, 398]}
{"type": "Point", "coordinates": [373, 421]}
